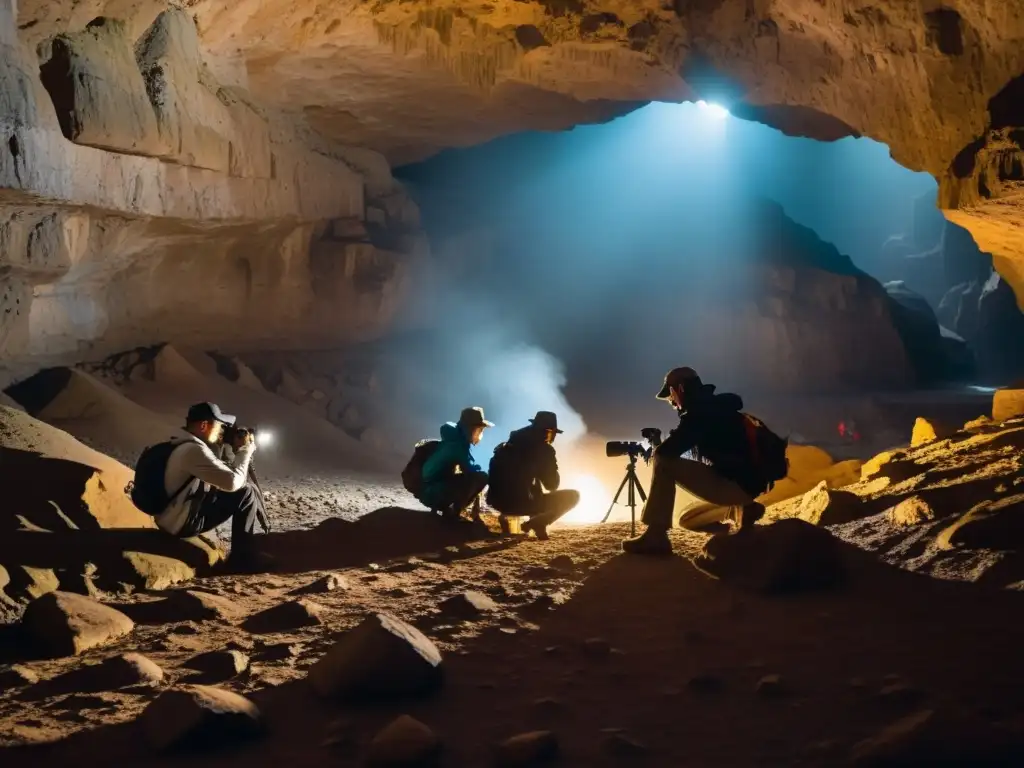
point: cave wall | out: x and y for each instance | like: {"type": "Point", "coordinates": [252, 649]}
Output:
{"type": "Point", "coordinates": [142, 202]}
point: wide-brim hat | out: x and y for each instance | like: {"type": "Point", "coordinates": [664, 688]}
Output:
{"type": "Point", "coordinates": [474, 417]}
{"type": "Point", "coordinates": [546, 420]}
{"type": "Point", "coordinates": [683, 376]}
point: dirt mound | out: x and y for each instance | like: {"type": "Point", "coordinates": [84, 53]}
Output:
{"type": "Point", "coordinates": [48, 475]}
{"type": "Point", "coordinates": [94, 412]}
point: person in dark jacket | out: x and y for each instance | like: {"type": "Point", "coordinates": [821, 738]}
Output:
{"type": "Point", "coordinates": [452, 479]}
{"type": "Point", "coordinates": [713, 431]}
{"type": "Point", "coordinates": [524, 480]}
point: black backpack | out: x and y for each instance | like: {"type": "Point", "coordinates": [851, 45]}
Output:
{"type": "Point", "coordinates": [412, 475]}
{"type": "Point", "coordinates": [147, 490]}
{"type": "Point", "coordinates": [767, 450]}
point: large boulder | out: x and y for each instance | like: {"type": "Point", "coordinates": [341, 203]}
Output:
{"type": "Point", "coordinates": [65, 624]}
{"type": "Point", "coordinates": [381, 657]}
{"type": "Point", "coordinates": [784, 557]}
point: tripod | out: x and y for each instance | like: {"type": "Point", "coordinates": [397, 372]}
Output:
{"type": "Point", "coordinates": [631, 484]}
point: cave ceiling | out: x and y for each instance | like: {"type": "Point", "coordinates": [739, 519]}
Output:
{"type": "Point", "coordinates": [941, 83]}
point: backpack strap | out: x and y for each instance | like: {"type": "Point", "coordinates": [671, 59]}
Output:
{"type": "Point", "coordinates": [188, 482]}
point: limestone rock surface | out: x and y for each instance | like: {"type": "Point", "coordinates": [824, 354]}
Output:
{"type": "Point", "coordinates": [940, 85]}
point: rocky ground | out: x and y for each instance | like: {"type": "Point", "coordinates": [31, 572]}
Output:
{"type": "Point", "coordinates": [613, 660]}
{"type": "Point", "coordinates": [866, 621]}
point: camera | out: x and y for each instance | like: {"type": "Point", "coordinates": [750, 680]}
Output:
{"type": "Point", "coordinates": [232, 433]}
{"type": "Point", "coordinates": [615, 448]}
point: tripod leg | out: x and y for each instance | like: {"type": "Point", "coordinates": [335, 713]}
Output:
{"type": "Point", "coordinates": [639, 489]}
{"type": "Point", "coordinates": [615, 500]}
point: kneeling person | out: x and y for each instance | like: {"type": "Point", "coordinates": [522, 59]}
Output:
{"type": "Point", "coordinates": [524, 477]}
{"type": "Point", "coordinates": [202, 491]}
{"type": "Point", "coordinates": [726, 474]}
{"type": "Point", "coordinates": [452, 480]}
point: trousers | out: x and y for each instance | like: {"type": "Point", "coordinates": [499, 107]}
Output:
{"type": "Point", "coordinates": [718, 493]}
{"type": "Point", "coordinates": [240, 507]}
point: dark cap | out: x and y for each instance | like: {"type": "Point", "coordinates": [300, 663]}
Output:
{"type": "Point", "coordinates": [677, 377]}
{"type": "Point", "coordinates": [474, 417]}
{"type": "Point", "coordinates": [546, 420]}
{"type": "Point", "coordinates": [208, 412]}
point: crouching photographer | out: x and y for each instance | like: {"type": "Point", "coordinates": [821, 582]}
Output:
{"type": "Point", "coordinates": [186, 485]}
{"type": "Point", "coordinates": [737, 459]}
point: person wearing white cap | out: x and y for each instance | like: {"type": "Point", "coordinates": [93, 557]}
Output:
{"type": "Point", "coordinates": [190, 490]}
{"type": "Point", "coordinates": [452, 479]}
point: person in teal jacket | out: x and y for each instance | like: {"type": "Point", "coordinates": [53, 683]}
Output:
{"type": "Point", "coordinates": [452, 479]}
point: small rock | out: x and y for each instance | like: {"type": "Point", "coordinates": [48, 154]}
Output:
{"type": "Point", "coordinates": [491, 576]}
{"type": "Point", "coordinates": [828, 506]}
{"type": "Point", "coordinates": [620, 745]}
{"type": "Point", "coordinates": [16, 676]}
{"type": "Point", "coordinates": [292, 614]}
{"type": "Point", "coordinates": [382, 657]}
{"type": "Point", "coordinates": [66, 624]}
{"type": "Point", "coordinates": [200, 716]}
{"type": "Point", "coordinates": [705, 683]}
{"type": "Point", "coordinates": [911, 511]}
{"type": "Point", "coordinates": [279, 651]}
{"type": "Point", "coordinates": [528, 749]}
{"type": "Point", "coordinates": [468, 605]}
{"type": "Point", "coordinates": [562, 563]}
{"type": "Point", "coordinates": [188, 628]}
{"type": "Point", "coordinates": [156, 572]}
{"type": "Point", "coordinates": [186, 605]}
{"type": "Point", "coordinates": [928, 430]}
{"type": "Point", "coordinates": [771, 685]}
{"type": "Point", "coordinates": [404, 742]}
{"type": "Point", "coordinates": [215, 666]}
{"type": "Point", "coordinates": [332, 582]}
{"type": "Point", "coordinates": [35, 582]}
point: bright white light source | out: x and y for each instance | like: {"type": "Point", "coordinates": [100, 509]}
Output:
{"type": "Point", "coordinates": [264, 438]}
{"type": "Point", "coordinates": [594, 499]}
{"type": "Point", "coordinates": [716, 111]}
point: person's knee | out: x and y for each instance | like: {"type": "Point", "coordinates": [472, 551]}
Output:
{"type": "Point", "coordinates": [571, 498]}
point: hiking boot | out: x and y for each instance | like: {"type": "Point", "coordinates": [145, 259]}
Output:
{"type": "Point", "coordinates": [538, 526]}
{"type": "Point", "coordinates": [650, 542]}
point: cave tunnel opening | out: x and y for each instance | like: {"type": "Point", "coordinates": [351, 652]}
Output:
{"type": "Point", "coordinates": [683, 233]}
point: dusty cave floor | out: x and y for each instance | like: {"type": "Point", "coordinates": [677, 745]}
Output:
{"type": "Point", "coordinates": [624, 659]}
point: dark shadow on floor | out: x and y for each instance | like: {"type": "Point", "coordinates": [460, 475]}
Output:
{"type": "Point", "coordinates": [669, 624]}
{"type": "Point", "coordinates": [39, 488]}
{"type": "Point", "coordinates": [382, 535]}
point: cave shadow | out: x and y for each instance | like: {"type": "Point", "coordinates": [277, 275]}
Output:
{"type": "Point", "coordinates": [952, 639]}
{"type": "Point", "coordinates": [46, 491]}
{"type": "Point", "coordinates": [385, 534]}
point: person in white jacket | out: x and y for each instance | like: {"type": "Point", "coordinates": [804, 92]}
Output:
{"type": "Point", "coordinates": [205, 492]}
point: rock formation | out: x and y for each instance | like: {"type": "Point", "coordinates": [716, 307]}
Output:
{"type": "Point", "coordinates": [145, 201]}
{"type": "Point", "coordinates": [939, 85]}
